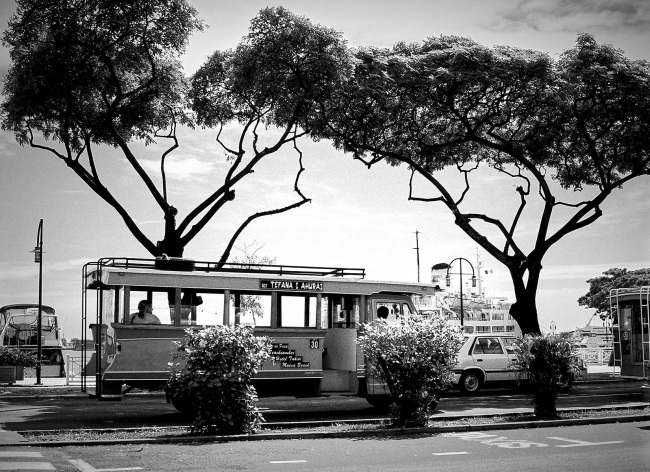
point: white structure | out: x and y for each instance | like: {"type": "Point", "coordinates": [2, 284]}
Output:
{"type": "Point", "coordinates": [481, 314]}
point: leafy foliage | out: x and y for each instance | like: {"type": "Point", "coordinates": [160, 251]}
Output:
{"type": "Point", "coordinates": [17, 357]}
{"type": "Point", "coordinates": [86, 74]}
{"type": "Point", "coordinates": [547, 361]}
{"type": "Point", "coordinates": [600, 287]}
{"type": "Point", "coordinates": [448, 102]}
{"type": "Point", "coordinates": [414, 358]}
{"type": "Point", "coordinates": [220, 362]}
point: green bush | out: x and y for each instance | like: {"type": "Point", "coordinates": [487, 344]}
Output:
{"type": "Point", "coordinates": [414, 359]}
{"type": "Point", "coordinates": [13, 356]}
{"type": "Point", "coordinates": [549, 363]}
{"type": "Point", "coordinates": [215, 381]}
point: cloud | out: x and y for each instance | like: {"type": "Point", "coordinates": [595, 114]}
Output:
{"type": "Point", "coordinates": [181, 168]}
{"type": "Point", "coordinates": [577, 15]}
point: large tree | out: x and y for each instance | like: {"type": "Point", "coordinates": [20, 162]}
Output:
{"type": "Point", "coordinates": [554, 127]}
{"type": "Point", "coordinates": [96, 73]}
{"type": "Point", "coordinates": [601, 286]}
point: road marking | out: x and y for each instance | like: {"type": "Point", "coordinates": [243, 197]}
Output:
{"type": "Point", "coordinates": [287, 462]}
{"type": "Point", "coordinates": [84, 466]}
{"type": "Point", "coordinates": [577, 443]}
{"type": "Point", "coordinates": [26, 466]}
{"type": "Point", "coordinates": [20, 454]}
{"type": "Point", "coordinates": [449, 453]}
{"type": "Point", "coordinates": [494, 440]}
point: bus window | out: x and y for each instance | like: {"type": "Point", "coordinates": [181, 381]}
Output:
{"type": "Point", "coordinates": [298, 311]}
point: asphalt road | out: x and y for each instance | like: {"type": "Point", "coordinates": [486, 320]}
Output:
{"type": "Point", "coordinates": [611, 447]}
{"type": "Point", "coordinates": [152, 410]}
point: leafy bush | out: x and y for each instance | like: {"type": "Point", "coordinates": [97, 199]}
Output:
{"type": "Point", "coordinates": [215, 382]}
{"type": "Point", "coordinates": [12, 356]}
{"type": "Point", "coordinates": [414, 359]}
{"type": "Point", "coordinates": [549, 363]}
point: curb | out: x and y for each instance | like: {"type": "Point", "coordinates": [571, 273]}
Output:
{"type": "Point", "coordinates": [382, 433]}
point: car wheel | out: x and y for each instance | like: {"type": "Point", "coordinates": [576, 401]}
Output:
{"type": "Point", "coordinates": [565, 382]}
{"type": "Point", "coordinates": [470, 382]}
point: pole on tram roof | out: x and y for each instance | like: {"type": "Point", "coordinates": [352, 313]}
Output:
{"type": "Point", "coordinates": [417, 251]}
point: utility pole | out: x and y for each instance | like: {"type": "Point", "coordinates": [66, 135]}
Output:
{"type": "Point", "coordinates": [417, 249]}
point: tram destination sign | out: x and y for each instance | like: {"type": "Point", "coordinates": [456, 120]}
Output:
{"type": "Point", "coordinates": [292, 285]}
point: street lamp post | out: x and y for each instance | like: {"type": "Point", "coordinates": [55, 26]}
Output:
{"type": "Point", "coordinates": [460, 273]}
{"type": "Point", "coordinates": [38, 258]}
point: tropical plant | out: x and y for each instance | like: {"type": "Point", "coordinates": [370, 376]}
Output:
{"type": "Point", "coordinates": [211, 377]}
{"type": "Point", "coordinates": [17, 357]}
{"type": "Point", "coordinates": [413, 358]}
{"type": "Point", "coordinates": [548, 363]}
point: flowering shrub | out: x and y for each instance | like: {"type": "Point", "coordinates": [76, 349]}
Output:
{"type": "Point", "coordinates": [414, 359]}
{"type": "Point", "coordinates": [215, 382]}
{"type": "Point", "coordinates": [549, 363]}
{"type": "Point", "coordinates": [16, 357]}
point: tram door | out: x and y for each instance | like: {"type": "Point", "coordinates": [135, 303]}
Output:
{"type": "Point", "coordinates": [625, 334]}
{"type": "Point", "coordinates": [340, 349]}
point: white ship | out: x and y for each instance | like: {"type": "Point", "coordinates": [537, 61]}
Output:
{"type": "Point", "coordinates": [481, 314]}
{"type": "Point", "coordinates": [594, 343]}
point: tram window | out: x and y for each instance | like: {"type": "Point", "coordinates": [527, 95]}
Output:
{"type": "Point", "coordinates": [395, 310]}
{"type": "Point", "coordinates": [298, 312]}
{"type": "Point", "coordinates": [255, 310]}
{"type": "Point", "coordinates": [207, 313]}
{"type": "Point", "coordinates": [159, 305]}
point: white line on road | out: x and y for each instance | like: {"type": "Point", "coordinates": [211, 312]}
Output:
{"type": "Point", "coordinates": [577, 443]}
{"type": "Point", "coordinates": [20, 454]}
{"type": "Point", "coordinates": [26, 466]}
{"type": "Point", "coordinates": [84, 466]}
{"type": "Point", "coordinates": [287, 462]}
{"type": "Point", "coordinates": [449, 453]}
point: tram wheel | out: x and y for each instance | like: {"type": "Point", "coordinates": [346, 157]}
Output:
{"type": "Point", "coordinates": [183, 402]}
{"type": "Point", "coordinates": [379, 401]}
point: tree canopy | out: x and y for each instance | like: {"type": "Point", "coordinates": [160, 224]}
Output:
{"type": "Point", "coordinates": [88, 73]}
{"type": "Point", "coordinates": [581, 122]}
{"type": "Point", "coordinates": [600, 287]}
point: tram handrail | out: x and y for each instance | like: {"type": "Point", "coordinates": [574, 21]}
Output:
{"type": "Point", "coordinates": [209, 266]}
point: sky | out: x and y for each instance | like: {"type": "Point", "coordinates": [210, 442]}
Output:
{"type": "Point", "coordinates": [358, 217]}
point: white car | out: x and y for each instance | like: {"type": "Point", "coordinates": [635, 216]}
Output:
{"type": "Point", "coordinates": [484, 358]}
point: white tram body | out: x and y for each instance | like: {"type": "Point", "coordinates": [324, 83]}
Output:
{"type": "Point", "coordinates": [311, 314]}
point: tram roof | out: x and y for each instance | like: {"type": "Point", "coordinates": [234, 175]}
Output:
{"type": "Point", "coordinates": [249, 280]}
{"type": "Point", "coordinates": [630, 293]}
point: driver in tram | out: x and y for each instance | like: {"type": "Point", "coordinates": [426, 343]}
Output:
{"type": "Point", "coordinates": [145, 314]}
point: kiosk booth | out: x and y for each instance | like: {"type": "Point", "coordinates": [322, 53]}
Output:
{"type": "Point", "coordinates": [630, 312]}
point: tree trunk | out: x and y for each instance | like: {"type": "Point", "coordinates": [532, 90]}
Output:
{"type": "Point", "coordinates": [524, 310]}
{"type": "Point", "coordinates": [170, 245]}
